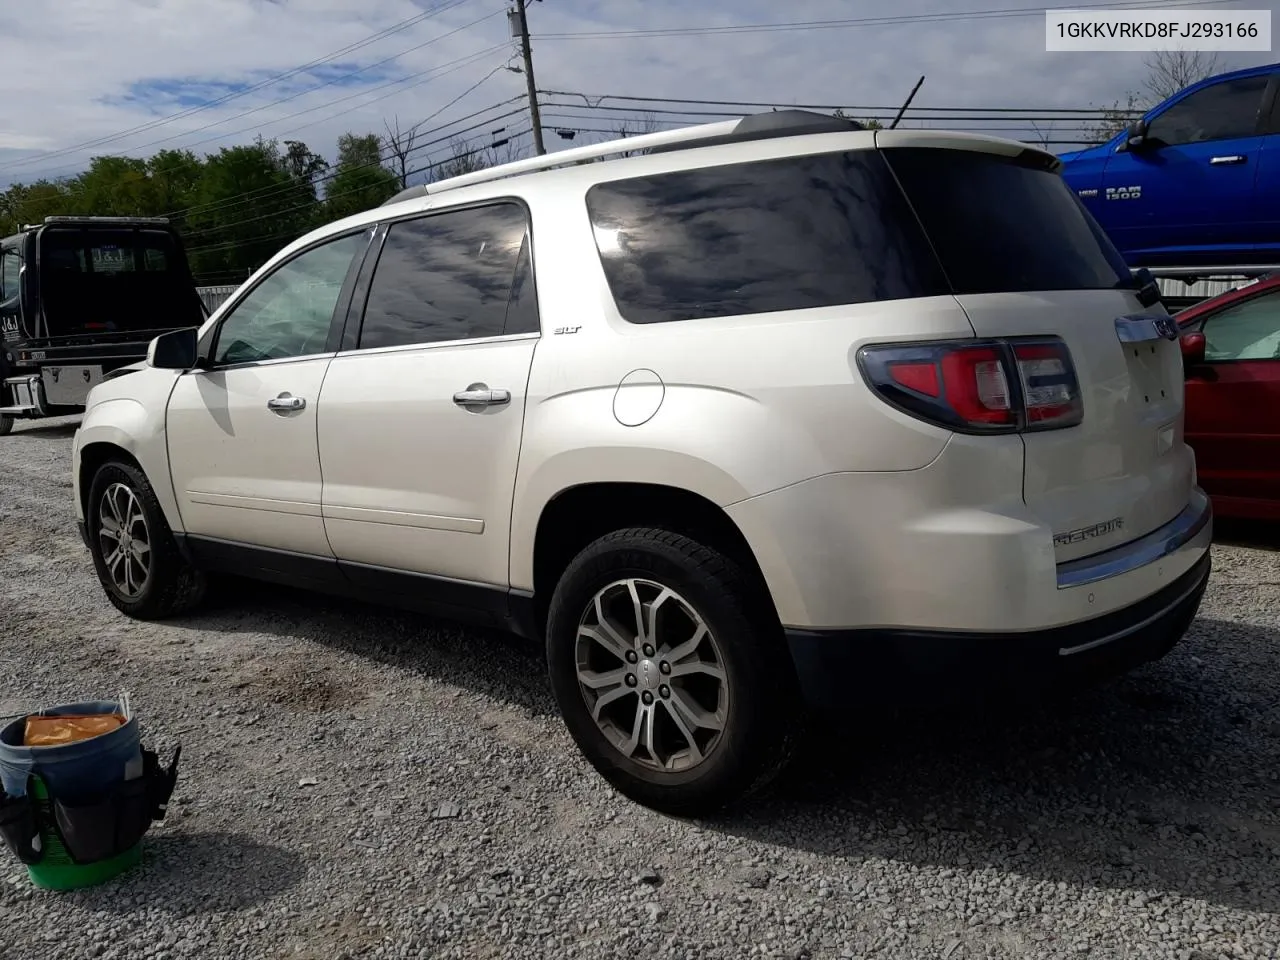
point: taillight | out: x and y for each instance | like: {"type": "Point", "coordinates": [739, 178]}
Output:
{"type": "Point", "coordinates": [1051, 395]}
{"type": "Point", "coordinates": [987, 386]}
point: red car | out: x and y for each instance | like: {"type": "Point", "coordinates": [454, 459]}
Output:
{"type": "Point", "coordinates": [1231, 352]}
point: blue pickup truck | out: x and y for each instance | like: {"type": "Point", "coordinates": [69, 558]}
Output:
{"type": "Point", "coordinates": [1196, 181]}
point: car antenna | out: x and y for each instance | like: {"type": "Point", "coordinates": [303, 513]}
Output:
{"type": "Point", "coordinates": [911, 96]}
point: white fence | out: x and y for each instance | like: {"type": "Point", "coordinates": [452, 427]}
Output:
{"type": "Point", "coordinates": [214, 297]}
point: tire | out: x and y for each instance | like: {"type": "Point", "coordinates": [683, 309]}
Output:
{"type": "Point", "coordinates": [166, 584]}
{"type": "Point", "coordinates": [756, 701]}
{"type": "Point", "coordinates": [6, 424]}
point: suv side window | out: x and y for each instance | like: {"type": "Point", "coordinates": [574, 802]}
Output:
{"type": "Point", "coordinates": [1244, 331]}
{"type": "Point", "coordinates": [289, 313]}
{"type": "Point", "coordinates": [450, 276]}
{"type": "Point", "coordinates": [1223, 111]}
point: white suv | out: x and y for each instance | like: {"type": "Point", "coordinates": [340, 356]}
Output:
{"type": "Point", "coordinates": [781, 411]}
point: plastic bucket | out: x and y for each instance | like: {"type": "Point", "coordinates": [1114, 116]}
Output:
{"type": "Point", "coordinates": [77, 771]}
{"type": "Point", "coordinates": [72, 771]}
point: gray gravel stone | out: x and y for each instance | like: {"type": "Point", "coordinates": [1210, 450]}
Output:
{"type": "Point", "coordinates": [1138, 820]}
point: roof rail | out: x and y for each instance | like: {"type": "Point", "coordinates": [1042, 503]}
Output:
{"type": "Point", "coordinates": [779, 123]}
{"type": "Point", "coordinates": [561, 158]}
{"type": "Point", "coordinates": [91, 219]}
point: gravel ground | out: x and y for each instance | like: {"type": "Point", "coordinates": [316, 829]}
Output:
{"type": "Point", "coordinates": [359, 783]}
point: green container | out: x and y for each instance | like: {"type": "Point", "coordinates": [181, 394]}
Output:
{"type": "Point", "coordinates": [56, 870]}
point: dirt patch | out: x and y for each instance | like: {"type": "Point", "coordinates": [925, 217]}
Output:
{"type": "Point", "coordinates": [303, 687]}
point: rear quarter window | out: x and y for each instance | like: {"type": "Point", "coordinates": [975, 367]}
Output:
{"type": "Point", "coordinates": [999, 225]}
{"type": "Point", "coordinates": [749, 238]}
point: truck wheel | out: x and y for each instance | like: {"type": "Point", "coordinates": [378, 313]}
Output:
{"type": "Point", "coordinates": [6, 424]}
{"type": "Point", "coordinates": [133, 548]}
{"type": "Point", "coordinates": [670, 672]}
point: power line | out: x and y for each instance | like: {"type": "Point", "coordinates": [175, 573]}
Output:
{"type": "Point", "coordinates": [279, 189]}
{"type": "Point", "coordinates": [457, 65]}
{"type": "Point", "coordinates": [294, 233]}
{"type": "Point", "coordinates": [801, 25]}
{"type": "Point", "coordinates": [234, 95]}
{"type": "Point", "coordinates": [923, 113]}
{"type": "Point", "coordinates": [420, 77]}
{"type": "Point", "coordinates": [310, 90]}
{"type": "Point", "coordinates": [592, 100]}
{"type": "Point", "coordinates": [271, 189]}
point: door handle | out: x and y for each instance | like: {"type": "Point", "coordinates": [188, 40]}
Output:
{"type": "Point", "coordinates": [1229, 158]}
{"type": "Point", "coordinates": [479, 395]}
{"type": "Point", "coordinates": [285, 403]}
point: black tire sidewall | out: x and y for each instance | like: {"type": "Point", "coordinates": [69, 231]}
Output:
{"type": "Point", "coordinates": [759, 702]}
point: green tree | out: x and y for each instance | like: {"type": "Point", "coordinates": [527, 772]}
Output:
{"type": "Point", "coordinates": [360, 181]}
{"type": "Point", "coordinates": [249, 204]}
{"type": "Point", "coordinates": [30, 203]}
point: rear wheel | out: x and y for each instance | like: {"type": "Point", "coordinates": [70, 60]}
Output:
{"type": "Point", "coordinates": [134, 553]}
{"type": "Point", "coordinates": [670, 671]}
{"type": "Point", "coordinates": [6, 424]}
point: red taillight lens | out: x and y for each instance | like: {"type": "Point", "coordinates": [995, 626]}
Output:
{"type": "Point", "coordinates": [920, 377]}
{"type": "Point", "coordinates": [992, 386]}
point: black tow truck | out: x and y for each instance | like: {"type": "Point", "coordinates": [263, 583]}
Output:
{"type": "Point", "coordinates": [81, 297]}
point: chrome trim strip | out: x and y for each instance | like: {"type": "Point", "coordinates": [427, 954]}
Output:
{"type": "Point", "coordinates": [1168, 539]}
{"type": "Point", "coordinates": [1143, 328]}
{"type": "Point", "coordinates": [1132, 628]}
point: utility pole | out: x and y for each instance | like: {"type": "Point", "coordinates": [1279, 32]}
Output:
{"type": "Point", "coordinates": [535, 115]}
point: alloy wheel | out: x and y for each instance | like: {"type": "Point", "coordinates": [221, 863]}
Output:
{"type": "Point", "coordinates": [124, 540]}
{"type": "Point", "coordinates": [652, 675]}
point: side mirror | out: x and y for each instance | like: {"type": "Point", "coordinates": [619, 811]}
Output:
{"type": "Point", "coordinates": [175, 350]}
{"type": "Point", "coordinates": [1192, 348]}
{"type": "Point", "coordinates": [1137, 135]}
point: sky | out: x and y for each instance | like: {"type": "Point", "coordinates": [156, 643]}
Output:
{"type": "Point", "coordinates": [94, 77]}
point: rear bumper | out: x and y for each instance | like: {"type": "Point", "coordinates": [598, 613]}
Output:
{"type": "Point", "coordinates": [936, 665]}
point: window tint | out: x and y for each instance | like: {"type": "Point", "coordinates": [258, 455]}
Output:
{"type": "Point", "coordinates": [10, 265]}
{"type": "Point", "coordinates": [1001, 226]}
{"type": "Point", "coordinates": [289, 313]}
{"type": "Point", "coordinates": [1246, 331]}
{"type": "Point", "coordinates": [1220, 112]}
{"type": "Point", "coordinates": [747, 238]}
{"type": "Point", "coordinates": [445, 277]}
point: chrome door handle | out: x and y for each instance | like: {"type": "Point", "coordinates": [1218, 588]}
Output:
{"type": "Point", "coordinates": [479, 395]}
{"type": "Point", "coordinates": [286, 402]}
{"type": "Point", "coordinates": [1231, 158]}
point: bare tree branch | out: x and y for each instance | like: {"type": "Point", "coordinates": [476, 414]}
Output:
{"type": "Point", "coordinates": [645, 123]}
{"type": "Point", "coordinates": [1169, 71]}
{"type": "Point", "coordinates": [400, 145]}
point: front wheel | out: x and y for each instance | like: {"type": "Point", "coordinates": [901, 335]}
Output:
{"type": "Point", "coordinates": [133, 549]}
{"type": "Point", "coordinates": [6, 424]}
{"type": "Point", "coordinates": [670, 671]}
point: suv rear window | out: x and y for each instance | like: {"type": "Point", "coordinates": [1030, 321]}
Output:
{"type": "Point", "coordinates": [1001, 226]}
{"type": "Point", "coordinates": [811, 231]}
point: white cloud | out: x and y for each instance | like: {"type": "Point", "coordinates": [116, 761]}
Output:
{"type": "Point", "coordinates": [81, 70]}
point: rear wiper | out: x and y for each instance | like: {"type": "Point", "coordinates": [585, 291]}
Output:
{"type": "Point", "coordinates": [1145, 284]}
